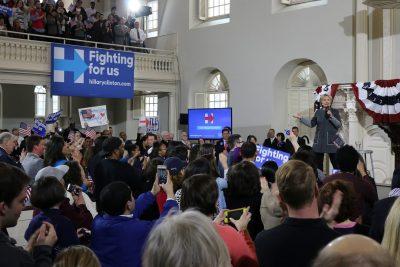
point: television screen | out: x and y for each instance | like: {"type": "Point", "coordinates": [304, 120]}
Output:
{"type": "Point", "coordinates": [207, 123]}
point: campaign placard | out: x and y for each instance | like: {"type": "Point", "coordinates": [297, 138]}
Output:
{"type": "Point", "coordinates": [93, 116]}
{"type": "Point", "coordinates": [91, 72]}
{"type": "Point", "coordinates": [269, 154]}
{"type": "Point", "coordinates": [6, 10]}
{"type": "Point", "coordinates": [150, 124]}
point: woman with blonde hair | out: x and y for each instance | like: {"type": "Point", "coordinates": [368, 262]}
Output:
{"type": "Point", "coordinates": [391, 236]}
{"type": "Point", "coordinates": [328, 122]}
{"type": "Point", "coordinates": [77, 256]}
{"type": "Point", "coordinates": [187, 239]}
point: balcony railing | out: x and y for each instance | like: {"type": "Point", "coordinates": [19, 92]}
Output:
{"type": "Point", "coordinates": [30, 53]}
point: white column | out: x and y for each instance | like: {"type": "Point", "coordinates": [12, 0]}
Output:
{"type": "Point", "coordinates": [1, 107]}
{"type": "Point", "coordinates": [172, 113]}
{"type": "Point", "coordinates": [351, 109]}
{"type": "Point", "coordinates": [361, 41]}
{"type": "Point", "coordinates": [49, 101]}
{"type": "Point", "coordinates": [49, 108]}
{"type": "Point", "coordinates": [387, 44]}
{"type": "Point", "coordinates": [131, 121]}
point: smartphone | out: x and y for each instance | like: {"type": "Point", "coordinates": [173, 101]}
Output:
{"type": "Point", "coordinates": [234, 214]}
{"type": "Point", "coordinates": [162, 174]}
{"type": "Point", "coordinates": [85, 232]}
{"type": "Point", "coordinates": [73, 189]}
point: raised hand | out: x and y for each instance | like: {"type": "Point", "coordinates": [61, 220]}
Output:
{"type": "Point", "coordinates": [297, 116]}
{"type": "Point", "coordinates": [241, 224]}
{"type": "Point", "coordinates": [329, 213]}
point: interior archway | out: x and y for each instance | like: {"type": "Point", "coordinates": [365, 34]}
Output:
{"type": "Point", "coordinates": [294, 84]}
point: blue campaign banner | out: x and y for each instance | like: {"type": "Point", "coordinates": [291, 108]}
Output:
{"type": "Point", "coordinates": [53, 117]}
{"type": "Point", "coordinates": [39, 128]}
{"type": "Point", "coordinates": [91, 72]}
{"type": "Point", "coordinates": [207, 123]}
{"type": "Point", "coordinates": [7, 10]}
{"type": "Point", "coordinates": [269, 154]}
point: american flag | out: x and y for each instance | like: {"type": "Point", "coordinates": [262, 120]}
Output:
{"type": "Point", "coordinates": [71, 136]}
{"type": "Point", "coordinates": [28, 195]}
{"type": "Point", "coordinates": [24, 129]}
{"type": "Point", "coordinates": [89, 132]}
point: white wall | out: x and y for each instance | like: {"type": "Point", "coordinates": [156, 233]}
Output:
{"type": "Point", "coordinates": [396, 47]}
{"type": "Point", "coordinates": [254, 46]}
{"type": "Point", "coordinates": [18, 105]}
{"type": "Point", "coordinates": [163, 112]}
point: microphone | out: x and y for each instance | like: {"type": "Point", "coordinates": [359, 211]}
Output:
{"type": "Point", "coordinates": [327, 116]}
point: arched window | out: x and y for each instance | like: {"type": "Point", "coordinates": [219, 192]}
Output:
{"type": "Point", "coordinates": [217, 90]}
{"type": "Point", "coordinates": [303, 81]}
{"type": "Point", "coordinates": [307, 75]}
{"type": "Point", "coordinates": [40, 101]}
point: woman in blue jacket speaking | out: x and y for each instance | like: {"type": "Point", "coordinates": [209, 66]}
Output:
{"type": "Point", "coordinates": [326, 139]}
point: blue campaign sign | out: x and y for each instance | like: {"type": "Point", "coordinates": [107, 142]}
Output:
{"type": "Point", "coordinates": [39, 128]}
{"type": "Point", "coordinates": [269, 154]}
{"type": "Point", "coordinates": [91, 72]}
{"type": "Point", "coordinates": [7, 10]}
{"type": "Point", "coordinates": [53, 117]}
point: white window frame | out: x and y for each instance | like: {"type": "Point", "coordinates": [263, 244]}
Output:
{"type": "Point", "coordinates": [152, 19]}
{"type": "Point", "coordinates": [217, 97]}
{"type": "Point", "coordinates": [40, 101]}
{"type": "Point", "coordinates": [150, 105]}
{"type": "Point", "coordinates": [56, 103]}
{"type": "Point", "coordinates": [205, 9]}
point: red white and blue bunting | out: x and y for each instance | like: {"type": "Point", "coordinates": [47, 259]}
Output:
{"type": "Point", "coordinates": [326, 89]}
{"type": "Point", "coordinates": [380, 99]}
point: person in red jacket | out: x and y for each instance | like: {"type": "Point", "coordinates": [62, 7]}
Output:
{"type": "Point", "coordinates": [200, 192]}
{"type": "Point", "coordinates": [37, 16]}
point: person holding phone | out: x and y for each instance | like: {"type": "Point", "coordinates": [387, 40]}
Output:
{"type": "Point", "coordinates": [200, 192]}
{"type": "Point", "coordinates": [328, 122]}
{"type": "Point", "coordinates": [118, 235]}
{"type": "Point", "coordinates": [13, 182]}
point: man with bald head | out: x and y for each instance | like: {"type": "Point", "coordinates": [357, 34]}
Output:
{"type": "Point", "coordinates": [354, 251]}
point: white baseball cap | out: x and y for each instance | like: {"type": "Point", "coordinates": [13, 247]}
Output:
{"type": "Point", "coordinates": [57, 172]}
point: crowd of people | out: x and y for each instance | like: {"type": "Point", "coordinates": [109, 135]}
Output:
{"type": "Point", "coordinates": [54, 19]}
{"type": "Point", "coordinates": [104, 202]}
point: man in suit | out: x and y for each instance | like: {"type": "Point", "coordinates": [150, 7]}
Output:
{"type": "Point", "coordinates": [300, 140]}
{"type": "Point", "coordinates": [33, 162]}
{"type": "Point", "coordinates": [222, 144]}
{"type": "Point", "coordinates": [8, 142]}
{"type": "Point", "coordinates": [271, 140]}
